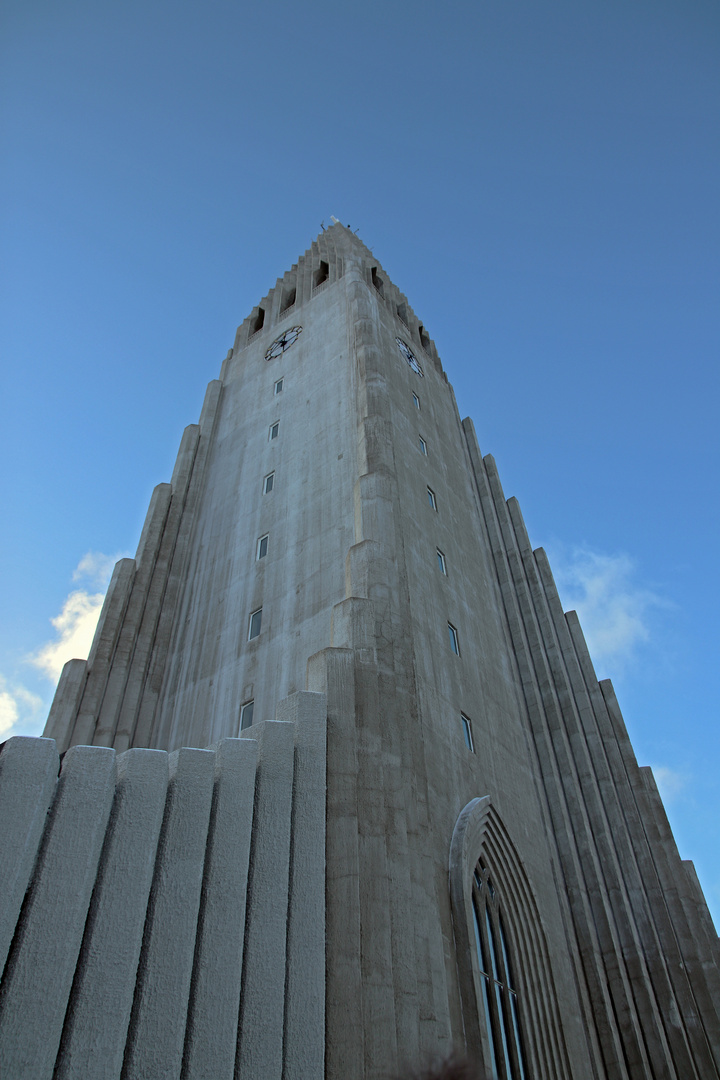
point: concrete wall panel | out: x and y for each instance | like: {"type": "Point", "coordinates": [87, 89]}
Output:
{"type": "Point", "coordinates": [97, 1022]}
{"type": "Point", "coordinates": [157, 1027]}
{"type": "Point", "coordinates": [262, 1005]}
{"type": "Point", "coordinates": [145, 978]}
{"type": "Point", "coordinates": [41, 965]}
{"type": "Point", "coordinates": [211, 1039]}
{"type": "Point", "coordinates": [28, 777]}
{"type": "Point", "coordinates": [304, 1048]}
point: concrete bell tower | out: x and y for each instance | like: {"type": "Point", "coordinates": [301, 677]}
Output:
{"type": "Point", "coordinates": [340, 790]}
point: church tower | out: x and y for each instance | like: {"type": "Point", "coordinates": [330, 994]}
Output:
{"type": "Point", "coordinates": [340, 791]}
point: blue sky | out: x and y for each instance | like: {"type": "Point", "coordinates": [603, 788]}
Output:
{"type": "Point", "coordinates": [541, 180]}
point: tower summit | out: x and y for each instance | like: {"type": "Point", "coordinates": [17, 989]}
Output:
{"type": "Point", "coordinates": [340, 789]}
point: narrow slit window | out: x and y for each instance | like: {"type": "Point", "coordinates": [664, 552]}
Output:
{"type": "Point", "coordinates": [441, 562]}
{"type": "Point", "coordinates": [377, 280]}
{"type": "Point", "coordinates": [416, 401]}
{"type": "Point", "coordinates": [258, 322]}
{"type": "Point", "coordinates": [424, 336]}
{"type": "Point", "coordinates": [279, 386]}
{"type": "Point", "coordinates": [423, 445]}
{"type": "Point", "coordinates": [498, 995]}
{"type": "Point", "coordinates": [262, 547]}
{"type": "Point", "coordinates": [454, 644]}
{"type": "Point", "coordinates": [268, 483]}
{"type": "Point", "coordinates": [467, 732]}
{"type": "Point", "coordinates": [402, 313]}
{"type": "Point", "coordinates": [246, 715]}
{"type": "Point", "coordinates": [431, 498]}
{"type": "Point", "coordinates": [274, 430]}
{"type": "Point", "coordinates": [321, 274]}
{"type": "Point", "coordinates": [255, 624]}
{"type": "Point", "coordinates": [484, 980]}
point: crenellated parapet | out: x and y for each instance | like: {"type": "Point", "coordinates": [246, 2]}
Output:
{"type": "Point", "coordinates": [326, 261]}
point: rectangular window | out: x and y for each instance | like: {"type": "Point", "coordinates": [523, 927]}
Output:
{"type": "Point", "coordinates": [416, 401]}
{"type": "Point", "coordinates": [279, 386]}
{"type": "Point", "coordinates": [467, 732]}
{"type": "Point", "coordinates": [431, 498]}
{"type": "Point", "coordinates": [268, 483]}
{"type": "Point", "coordinates": [441, 562]}
{"type": "Point", "coordinates": [246, 714]}
{"type": "Point", "coordinates": [453, 639]}
{"type": "Point", "coordinates": [321, 274]}
{"type": "Point", "coordinates": [288, 298]}
{"type": "Point", "coordinates": [255, 624]}
{"type": "Point", "coordinates": [258, 322]}
{"type": "Point", "coordinates": [423, 445]}
{"type": "Point", "coordinates": [262, 546]}
{"type": "Point", "coordinates": [274, 430]}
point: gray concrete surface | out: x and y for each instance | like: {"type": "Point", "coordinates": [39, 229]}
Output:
{"type": "Point", "coordinates": [28, 778]}
{"type": "Point", "coordinates": [41, 965]}
{"type": "Point", "coordinates": [156, 1036]}
{"type": "Point", "coordinates": [212, 1031]}
{"type": "Point", "coordinates": [96, 1026]}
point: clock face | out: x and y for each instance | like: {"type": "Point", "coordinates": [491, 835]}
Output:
{"type": "Point", "coordinates": [409, 356]}
{"type": "Point", "coordinates": [284, 342]}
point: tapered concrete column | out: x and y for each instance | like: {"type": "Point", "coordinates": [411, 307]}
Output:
{"type": "Point", "coordinates": [262, 1006]}
{"type": "Point", "coordinates": [304, 1049]}
{"type": "Point", "coordinates": [212, 1032]}
{"type": "Point", "coordinates": [63, 710]}
{"type": "Point", "coordinates": [331, 672]}
{"type": "Point", "coordinates": [40, 968]}
{"type": "Point", "coordinates": [157, 1027]}
{"type": "Point", "coordinates": [28, 778]}
{"type": "Point", "coordinates": [97, 1024]}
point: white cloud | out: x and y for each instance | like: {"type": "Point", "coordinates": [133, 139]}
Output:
{"type": "Point", "coordinates": [75, 625]}
{"type": "Point", "coordinates": [9, 712]}
{"type": "Point", "coordinates": [20, 710]}
{"type": "Point", "coordinates": [670, 782]}
{"type": "Point", "coordinates": [612, 607]}
{"type": "Point", "coordinates": [23, 712]}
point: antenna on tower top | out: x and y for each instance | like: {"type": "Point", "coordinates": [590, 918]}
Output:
{"type": "Point", "coordinates": [334, 219]}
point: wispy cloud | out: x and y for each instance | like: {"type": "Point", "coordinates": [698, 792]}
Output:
{"type": "Point", "coordinates": [75, 625]}
{"type": "Point", "coordinates": [670, 782]}
{"type": "Point", "coordinates": [95, 568]}
{"type": "Point", "coordinates": [614, 608]}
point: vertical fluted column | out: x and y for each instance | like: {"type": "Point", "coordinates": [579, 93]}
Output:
{"type": "Point", "coordinates": [41, 964]}
{"type": "Point", "coordinates": [603, 1038]}
{"type": "Point", "coordinates": [96, 1024]}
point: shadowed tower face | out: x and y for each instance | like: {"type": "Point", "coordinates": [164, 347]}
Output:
{"type": "Point", "coordinates": [470, 857]}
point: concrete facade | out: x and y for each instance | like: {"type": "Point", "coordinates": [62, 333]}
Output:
{"type": "Point", "coordinates": [174, 919]}
{"type": "Point", "coordinates": [432, 835]}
